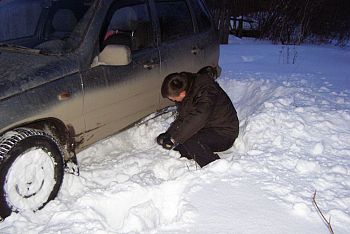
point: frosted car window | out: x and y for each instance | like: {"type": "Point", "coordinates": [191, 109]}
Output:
{"type": "Point", "coordinates": [19, 19]}
{"type": "Point", "coordinates": [174, 18]}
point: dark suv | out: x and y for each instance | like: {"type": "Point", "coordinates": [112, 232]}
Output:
{"type": "Point", "coordinates": [74, 72]}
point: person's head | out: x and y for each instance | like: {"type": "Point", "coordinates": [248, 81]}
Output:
{"type": "Point", "coordinates": [175, 86]}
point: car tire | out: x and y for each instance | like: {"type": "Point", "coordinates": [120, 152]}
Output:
{"type": "Point", "coordinates": [31, 170]}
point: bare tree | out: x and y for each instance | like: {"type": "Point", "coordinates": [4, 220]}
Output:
{"type": "Point", "coordinates": [293, 21]}
{"type": "Point", "coordinates": [286, 21]}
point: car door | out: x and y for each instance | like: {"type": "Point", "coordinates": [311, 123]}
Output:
{"type": "Point", "coordinates": [206, 40]}
{"type": "Point", "coordinates": [177, 46]}
{"type": "Point", "coordinates": [117, 96]}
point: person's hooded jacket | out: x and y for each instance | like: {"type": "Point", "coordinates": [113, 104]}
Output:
{"type": "Point", "coordinates": [205, 106]}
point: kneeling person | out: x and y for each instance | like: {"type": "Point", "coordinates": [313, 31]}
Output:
{"type": "Point", "coordinates": [206, 122]}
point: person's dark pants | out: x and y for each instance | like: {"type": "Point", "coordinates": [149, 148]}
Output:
{"type": "Point", "coordinates": [202, 145]}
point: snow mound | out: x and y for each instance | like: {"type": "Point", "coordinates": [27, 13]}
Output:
{"type": "Point", "coordinates": [294, 140]}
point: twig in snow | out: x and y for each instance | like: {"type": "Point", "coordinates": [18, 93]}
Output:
{"type": "Point", "coordinates": [327, 222]}
{"type": "Point", "coordinates": [188, 167]}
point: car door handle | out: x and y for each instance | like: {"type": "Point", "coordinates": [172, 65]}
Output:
{"type": "Point", "coordinates": [195, 50]}
{"type": "Point", "coordinates": [64, 95]}
{"type": "Point", "coordinates": [148, 66]}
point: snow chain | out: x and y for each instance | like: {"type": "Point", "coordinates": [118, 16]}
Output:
{"type": "Point", "coordinates": [7, 143]}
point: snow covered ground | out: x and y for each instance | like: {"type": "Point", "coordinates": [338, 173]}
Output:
{"type": "Point", "coordinates": [294, 108]}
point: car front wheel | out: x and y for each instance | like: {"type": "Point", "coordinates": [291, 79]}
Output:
{"type": "Point", "coordinates": [31, 170]}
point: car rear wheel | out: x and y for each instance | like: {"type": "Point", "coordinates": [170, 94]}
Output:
{"type": "Point", "coordinates": [31, 170]}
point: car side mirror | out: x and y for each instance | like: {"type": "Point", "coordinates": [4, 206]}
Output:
{"type": "Point", "coordinates": [115, 55]}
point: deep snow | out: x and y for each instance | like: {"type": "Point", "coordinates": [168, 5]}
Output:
{"type": "Point", "coordinates": [294, 139]}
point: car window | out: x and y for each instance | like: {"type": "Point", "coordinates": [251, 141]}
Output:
{"type": "Point", "coordinates": [19, 19]}
{"type": "Point", "coordinates": [128, 23]}
{"type": "Point", "coordinates": [202, 15]}
{"type": "Point", "coordinates": [174, 18]}
{"type": "Point", "coordinates": [44, 25]}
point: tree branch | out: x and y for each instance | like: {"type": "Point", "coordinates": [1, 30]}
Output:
{"type": "Point", "coordinates": [327, 222]}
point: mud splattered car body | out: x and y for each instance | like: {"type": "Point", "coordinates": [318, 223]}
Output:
{"type": "Point", "coordinates": [62, 76]}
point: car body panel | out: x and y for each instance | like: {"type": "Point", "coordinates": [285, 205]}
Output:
{"type": "Point", "coordinates": [93, 102]}
{"type": "Point", "coordinates": [23, 71]}
{"type": "Point", "coordinates": [116, 96]}
{"type": "Point", "coordinates": [33, 88]}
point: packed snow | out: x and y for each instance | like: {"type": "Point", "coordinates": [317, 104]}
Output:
{"type": "Point", "coordinates": [293, 103]}
{"type": "Point", "coordinates": [35, 166]}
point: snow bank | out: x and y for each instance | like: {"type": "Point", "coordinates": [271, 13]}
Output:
{"type": "Point", "coordinates": [294, 140]}
{"type": "Point", "coordinates": [294, 145]}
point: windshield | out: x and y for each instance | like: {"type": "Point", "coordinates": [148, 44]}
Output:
{"type": "Point", "coordinates": [44, 25]}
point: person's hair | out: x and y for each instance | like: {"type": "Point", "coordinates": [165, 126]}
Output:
{"type": "Point", "coordinates": [175, 83]}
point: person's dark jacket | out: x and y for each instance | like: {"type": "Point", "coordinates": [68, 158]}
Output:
{"type": "Point", "coordinates": [206, 106]}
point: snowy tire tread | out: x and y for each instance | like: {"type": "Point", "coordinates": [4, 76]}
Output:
{"type": "Point", "coordinates": [17, 135]}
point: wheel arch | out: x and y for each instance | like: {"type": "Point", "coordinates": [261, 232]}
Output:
{"type": "Point", "coordinates": [60, 131]}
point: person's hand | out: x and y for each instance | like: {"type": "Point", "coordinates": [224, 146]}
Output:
{"type": "Point", "coordinates": [168, 143]}
{"type": "Point", "coordinates": [165, 140]}
{"type": "Point", "coordinates": [161, 137]}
